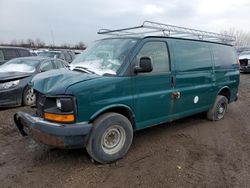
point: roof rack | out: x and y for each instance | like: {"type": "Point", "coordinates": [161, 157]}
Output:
{"type": "Point", "coordinates": [149, 28]}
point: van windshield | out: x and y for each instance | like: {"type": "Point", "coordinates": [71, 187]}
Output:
{"type": "Point", "coordinates": [104, 56]}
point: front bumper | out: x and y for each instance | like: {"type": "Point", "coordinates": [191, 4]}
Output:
{"type": "Point", "coordinates": [244, 68]}
{"type": "Point", "coordinates": [53, 134]}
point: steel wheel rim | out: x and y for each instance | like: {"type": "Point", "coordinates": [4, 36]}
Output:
{"type": "Point", "coordinates": [30, 96]}
{"type": "Point", "coordinates": [113, 139]}
{"type": "Point", "coordinates": [221, 109]}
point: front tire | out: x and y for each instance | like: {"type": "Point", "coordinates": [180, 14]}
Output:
{"type": "Point", "coordinates": [217, 112]}
{"type": "Point", "coordinates": [110, 138]}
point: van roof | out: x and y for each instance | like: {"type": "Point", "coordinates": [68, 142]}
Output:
{"type": "Point", "coordinates": [144, 37]}
{"type": "Point", "coordinates": [154, 29]}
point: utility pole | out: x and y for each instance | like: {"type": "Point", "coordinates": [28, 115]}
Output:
{"type": "Point", "coordinates": [52, 37]}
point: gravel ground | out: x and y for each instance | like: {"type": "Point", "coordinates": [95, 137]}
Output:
{"type": "Point", "coordinates": [191, 152]}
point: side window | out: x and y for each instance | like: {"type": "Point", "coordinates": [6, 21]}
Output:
{"type": "Point", "coordinates": [45, 66]}
{"type": "Point", "coordinates": [224, 56]}
{"type": "Point", "coordinates": [72, 56]}
{"type": "Point", "coordinates": [24, 53]}
{"type": "Point", "coordinates": [192, 55]}
{"type": "Point", "coordinates": [158, 53]}
{"type": "Point", "coordinates": [1, 56]}
{"type": "Point", "coordinates": [10, 54]}
{"type": "Point", "coordinates": [58, 64]}
{"type": "Point", "coordinates": [68, 57]}
{"type": "Point", "coordinates": [61, 56]}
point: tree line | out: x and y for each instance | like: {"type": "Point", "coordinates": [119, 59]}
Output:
{"type": "Point", "coordinates": [242, 38]}
{"type": "Point", "coordinates": [38, 43]}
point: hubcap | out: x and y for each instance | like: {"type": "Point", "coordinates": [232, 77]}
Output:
{"type": "Point", "coordinates": [113, 139]}
{"type": "Point", "coordinates": [221, 108]}
{"type": "Point", "coordinates": [30, 97]}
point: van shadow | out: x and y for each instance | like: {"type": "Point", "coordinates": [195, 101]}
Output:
{"type": "Point", "coordinates": [173, 126]}
{"type": "Point", "coordinates": [45, 155]}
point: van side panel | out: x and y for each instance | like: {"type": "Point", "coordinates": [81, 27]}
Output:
{"type": "Point", "coordinates": [194, 77]}
{"type": "Point", "coordinates": [226, 69]}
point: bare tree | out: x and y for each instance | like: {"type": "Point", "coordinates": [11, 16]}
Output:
{"type": "Point", "coordinates": [14, 42]}
{"type": "Point", "coordinates": [21, 43]}
{"type": "Point", "coordinates": [39, 43]}
{"type": "Point", "coordinates": [242, 38]}
{"type": "Point", "coordinates": [65, 45]}
{"type": "Point", "coordinates": [30, 43]}
{"type": "Point", "coordinates": [80, 46]}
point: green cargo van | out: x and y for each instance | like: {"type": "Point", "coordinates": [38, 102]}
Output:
{"type": "Point", "coordinates": [129, 82]}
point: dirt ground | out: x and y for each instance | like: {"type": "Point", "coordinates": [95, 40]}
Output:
{"type": "Point", "coordinates": [191, 152]}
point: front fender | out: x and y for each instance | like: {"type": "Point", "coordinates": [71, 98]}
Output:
{"type": "Point", "coordinates": [109, 108]}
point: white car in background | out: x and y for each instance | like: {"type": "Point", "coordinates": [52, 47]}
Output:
{"type": "Point", "coordinates": [244, 58]}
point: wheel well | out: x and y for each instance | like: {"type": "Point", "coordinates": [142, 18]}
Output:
{"type": "Point", "coordinates": [120, 110]}
{"type": "Point", "coordinates": [225, 92]}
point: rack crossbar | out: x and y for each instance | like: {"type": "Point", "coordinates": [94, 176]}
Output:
{"type": "Point", "coordinates": [149, 27]}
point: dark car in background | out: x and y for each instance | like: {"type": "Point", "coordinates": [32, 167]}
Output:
{"type": "Point", "coordinates": [8, 53]}
{"type": "Point", "coordinates": [60, 54]}
{"type": "Point", "coordinates": [16, 74]}
{"type": "Point", "coordinates": [244, 59]}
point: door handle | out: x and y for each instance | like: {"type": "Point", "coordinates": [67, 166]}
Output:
{"type": "Point", "coordinates": [176, 95]}
{"type": "Point", "coordinates": [173, 81]}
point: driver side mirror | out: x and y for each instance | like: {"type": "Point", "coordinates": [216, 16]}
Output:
{"type": "Point", "coordinates": [145, 65]}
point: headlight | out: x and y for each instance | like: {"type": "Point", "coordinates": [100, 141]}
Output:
{"type": "Point", "coordinates": [65, 104]}
{"type": "Point", "coordinates": [8, 85]}
{"type": "Point", "coordinates": [58, 104]}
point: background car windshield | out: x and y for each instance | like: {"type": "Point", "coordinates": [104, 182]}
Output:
{"type": "Point", "coordinates": [49, 54]}
{"type": "Point", "coordinates": [104, 56]}
{"type": "Point", "coordinates": [20, 65]}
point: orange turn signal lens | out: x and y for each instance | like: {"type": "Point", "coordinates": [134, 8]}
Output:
{"type": "Point", "coordinates": [64, 118]}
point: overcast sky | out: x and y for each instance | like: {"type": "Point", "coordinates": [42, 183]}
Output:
{"type": "Point", "coordinates": [71, 21]}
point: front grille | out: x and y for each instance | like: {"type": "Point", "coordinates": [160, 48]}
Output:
{"type": "Point", "coordinates": [40, 101]}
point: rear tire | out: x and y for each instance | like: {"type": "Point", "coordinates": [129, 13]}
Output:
{"type": "Point", "coordinates": [217, 112]}
{"type": "Point", "coordinates": [29, 96]}
{"type": "Point", "coordinates": [110, 138]}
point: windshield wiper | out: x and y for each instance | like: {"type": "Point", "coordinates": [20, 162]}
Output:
{"type": "Point", "coordinates": [84, 69]}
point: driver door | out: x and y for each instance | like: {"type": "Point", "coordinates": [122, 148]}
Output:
{"type": "Point", "coordinates": [152, 91]}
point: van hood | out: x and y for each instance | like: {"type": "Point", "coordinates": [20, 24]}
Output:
{"type": "Point", "coordinates": [56, 82]}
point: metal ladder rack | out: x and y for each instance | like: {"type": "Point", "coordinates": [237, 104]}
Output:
{"type": "Point", "coordinates": [149, 28]}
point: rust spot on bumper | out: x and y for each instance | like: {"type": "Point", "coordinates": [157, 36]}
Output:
{"type": "Point", "coordinates": [47, 138]}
